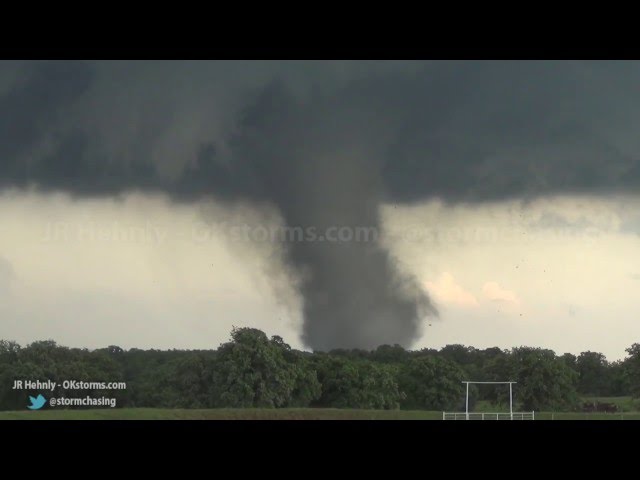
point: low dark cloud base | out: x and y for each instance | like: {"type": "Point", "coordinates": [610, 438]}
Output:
{"type": "Point", "coordinates": [460, 131]}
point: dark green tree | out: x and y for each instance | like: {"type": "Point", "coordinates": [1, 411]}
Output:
{"type": "Point", "coordinates": [390, 354]}
{"type": "Point", "coordinates": [545, 382]}
{"type": "Point", "coordinates": [593, 374]}
{"type": "Point", "coordinates": [355, 383]}
{"type": "Point", "coordinates": [570, 361]}
{"type": "Point", "coordinates": [431, 383]}
{"type": "Point", "coordinates": [633, 369]}
{"type": "Point", "coordinates": [619, 379]}
{"type": "Point", "coordinates": [254, 371]}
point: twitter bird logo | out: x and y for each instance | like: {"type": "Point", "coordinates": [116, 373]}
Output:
{"type": "Point", "coordinates": [36, 403]}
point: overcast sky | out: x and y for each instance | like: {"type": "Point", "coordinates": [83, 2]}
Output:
{"type": "Point", "coordinates": [504, 196]}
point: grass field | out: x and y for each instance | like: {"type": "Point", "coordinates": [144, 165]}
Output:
{"type": "Point", "coordinates": [625, 404]}
{"type": "Point", "coordinates": [270, 414]}
{"type": "Point", "coordinates": [221, 414]}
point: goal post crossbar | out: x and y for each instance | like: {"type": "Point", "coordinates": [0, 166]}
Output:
{"type": "Point", "coordinates": [494, 383]}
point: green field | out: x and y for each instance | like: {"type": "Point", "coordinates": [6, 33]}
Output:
{"type": "Point", "coordinates": [624, 404]}
{"type": "Point", "coordinates": [222, 414]}
{"type": "Point", "coordinates": [270, 414]}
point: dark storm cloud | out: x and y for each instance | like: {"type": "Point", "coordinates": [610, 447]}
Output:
{"type": "Point", "coordinates": [472, 131]}
{"type": "Point", "coordinates": [459, 130]}
{"type": "Point", "coordinates": [29, 110]}
{"type": "Point", "coordinates": [40, 146]}
{"type": "Point", "coordinates": [329, 154]}
{"type": "Point", "coordinates": [501, 130]}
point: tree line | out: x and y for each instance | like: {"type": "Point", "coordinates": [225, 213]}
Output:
{"type": "Point", "coordinates": [253, 370]}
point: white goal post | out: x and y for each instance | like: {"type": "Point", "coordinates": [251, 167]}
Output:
{"type": "Point", "coordinates": [466, 415]}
